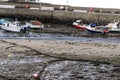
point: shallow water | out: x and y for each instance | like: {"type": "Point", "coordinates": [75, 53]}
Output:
{"type": "Point", "coordinates": [52, 36]}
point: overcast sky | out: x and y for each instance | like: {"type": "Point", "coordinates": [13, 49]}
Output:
{"type": "Point", "coordinates": [87, 3]}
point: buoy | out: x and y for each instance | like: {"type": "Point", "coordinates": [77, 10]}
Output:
{"type": "Point", "coordinates": [9, 55]}
{"type": "Point", "coordinates": [35, 75]}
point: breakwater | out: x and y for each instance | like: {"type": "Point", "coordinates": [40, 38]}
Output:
{"type": "Point", "coordinates": [62, 17]}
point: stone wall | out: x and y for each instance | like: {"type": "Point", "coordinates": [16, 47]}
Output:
{"type": "Point", "coordinates": [64, 17]}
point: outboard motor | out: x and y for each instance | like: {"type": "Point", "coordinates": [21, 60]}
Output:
{"type": "Point", "coordinates": [25, 29]}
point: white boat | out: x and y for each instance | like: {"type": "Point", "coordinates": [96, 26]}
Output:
{"type": "Point", "coordinates": [114, 27]}
{"type": "Point", "coordinates": [12, 27]}
{"type": "Point", "coordinates": [35, 24]}
{"type": "Point", "coordinates": [113, 24]}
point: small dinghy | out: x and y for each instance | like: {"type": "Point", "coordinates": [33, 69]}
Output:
{"type": "Point", "coordinates": [35, 24]}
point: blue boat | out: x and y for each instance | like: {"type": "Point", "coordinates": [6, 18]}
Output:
{"type": "Point", "coordinates": [97, 31]}
{"type": "Point", "coordinates": [94, 31]}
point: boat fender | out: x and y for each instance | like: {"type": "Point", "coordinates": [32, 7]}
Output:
{"type": "Point", "coordinates": [105, 31]}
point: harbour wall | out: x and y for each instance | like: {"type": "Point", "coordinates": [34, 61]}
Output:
{"type": "Point", "coordinates": [61, 17]}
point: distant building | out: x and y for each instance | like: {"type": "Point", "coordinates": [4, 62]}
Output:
{"type": "Point", "coordinates": [36, 1]}
{"type": "Point", "coordinates": [12, 0]}
{"type": "Point", "coordinates": [4, 0]}
{"type": "Point", "coordinates": [19, 0]}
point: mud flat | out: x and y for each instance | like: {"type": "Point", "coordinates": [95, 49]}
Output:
{"type": "Point", "coordinates": [58, 60]}
{"type": "Point", "coordinates": [89, 51]}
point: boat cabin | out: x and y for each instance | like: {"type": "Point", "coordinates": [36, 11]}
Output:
{"type": "Point", "coordinates": [14, 24]}
{"type": "Point", "coordinates": [114, 24]}
{"type": "Point", "coordinates": [78, 22]}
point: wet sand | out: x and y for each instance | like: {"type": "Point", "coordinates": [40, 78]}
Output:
{"type": "Point", "coordinates": [87, 51]}
{"type": "Point", "coordinates": [20, 59]}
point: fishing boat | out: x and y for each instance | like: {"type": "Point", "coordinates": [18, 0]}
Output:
{"type": "Point", "coordinates": [35, 24]}
{"type": "Point", "coordinates": [79, 24]}
{"type": "Point", "coordinates": [114, 27]}
{"type": "Point", "coordinates": [95, 30]}
{"type": "Point", "coordinates": [12, 26]}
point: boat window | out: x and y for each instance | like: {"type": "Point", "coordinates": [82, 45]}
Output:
{"type": "Point", "coordinates": [118, 25]}
{"type": "Point", "coordinates": [13, 23]}
{"type": "Point", "coordinates": [19, 24]}
{"type": "Point", "coordinates": [80, 23]}
{"type": "Point", "coordinates": [3, 24]}
{"type": "Point", "coordinates": [7, 25]}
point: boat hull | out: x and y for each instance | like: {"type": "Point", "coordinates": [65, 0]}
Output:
{"type": "Point", "coordinates": [114, 31]}
{"type": "Point", "coordinates": [35, 24]}
{"type": "Point", "coordinates": [99, 31]}
{"type": "Point", "coordinates": [36, 27]}
{"type": "Point", "coordinates": [80, 27]}
{"type": "Point", "coordinates": [11, 29]}
{"type": "Point", "coordinates": [94, 31]}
